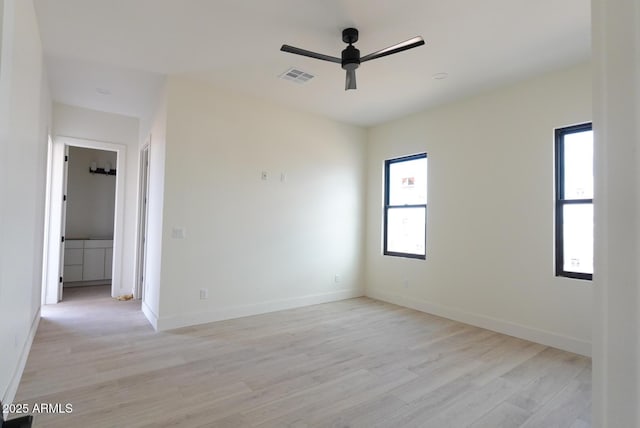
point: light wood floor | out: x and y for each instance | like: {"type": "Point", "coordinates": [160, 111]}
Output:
{"type": "Point", "coordinates": [354, 363]}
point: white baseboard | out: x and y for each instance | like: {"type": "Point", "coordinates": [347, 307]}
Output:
{"type": "Point", "coordinates": [151, 316]}
{"type": "Point", "coordinates": [543, 337]}
{"type": "Point", "coordinates": [10, 393]}
{"type": "Point", "coordinates": [184, 320]}
{"type": "Point", "coordinates": [76, 284]}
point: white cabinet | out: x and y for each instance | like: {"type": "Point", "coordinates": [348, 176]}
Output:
{"type": "Point", "coordinates": [72, 273]}
{"type": "Point", "coordinates": [93, 265]}
{"type": "Point", "coordinates": [108, 262]}
{"type": "Point", "coordinates": [72, 256]}
{"type": "Point", "coordinates": [88, 260]}
{"type": "Point", "coordinates": [73, 259]}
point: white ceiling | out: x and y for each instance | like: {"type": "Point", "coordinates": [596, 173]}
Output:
{"type": "Point", "coordinates": [127, 46]}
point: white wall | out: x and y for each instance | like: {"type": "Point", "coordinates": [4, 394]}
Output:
{"type": "Point", "coordinates": [616, 344]}
{"type": "Point", "coordinates": [490, 238]}
{"type": "Point", "coordinates": [25, 109]}
{"type": "Point", "coordinates": [256, 245]}
{"type": "Point", "coordinates": [1, 25]}
{"type": "Point", "coordinates": [90, 197]}
{"type": "Point", "coordinates": [76, 122]}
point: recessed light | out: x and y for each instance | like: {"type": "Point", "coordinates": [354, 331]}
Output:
{"type": "Point", "coordinates": [440, 76]}
{"type": "Point", "coordinates": [103, 91]}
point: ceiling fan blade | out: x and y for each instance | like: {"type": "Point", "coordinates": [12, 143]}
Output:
{"type": "Point", "coordinates": [303, 52]}
{"type": "Point", "coordinates": [403, 46]}
{"type": "Point", "coordinates": [350, 83]}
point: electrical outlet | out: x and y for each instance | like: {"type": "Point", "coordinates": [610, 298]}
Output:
{"type": "Point", "coordinates": [283, 177]}
{"type": "Point", "coordinates": [336, 278]}
{"type": "Point", "coordinates": [265, 175]}
{"type": "Point", "coordinates": [204, 294]}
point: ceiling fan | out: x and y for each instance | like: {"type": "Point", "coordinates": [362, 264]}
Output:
{"type": "Point", "coordinates": [351, 56]}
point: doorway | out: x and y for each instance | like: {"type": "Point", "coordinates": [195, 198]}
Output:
{"type": "Point", "coordinates": [94, 254]}
{"type": "Point", "coordinates": [89, 217]}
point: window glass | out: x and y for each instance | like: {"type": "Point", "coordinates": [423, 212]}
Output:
{"type": "Point", "coordinates": [578, 165]}
{"type": "Point", "coordinates": [578, 238]}
{"type": "Point", "coordinates": [406, 230]}
{"type": "Point", "coordinates": [408, 182]}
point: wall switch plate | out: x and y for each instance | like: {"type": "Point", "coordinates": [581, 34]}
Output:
{"type": "Point", "coordinates": [283, 177]}
{"type": "Point", "coordinates": [336, 278]}
{"type": "Point", "coordinates": [204, 294]}
{"type": "Point", "coordinates": [405, 283]}
{"type": "Point", "coordinates": [264, 175]}
{"type": "Point", "coordinates": [178, 233]}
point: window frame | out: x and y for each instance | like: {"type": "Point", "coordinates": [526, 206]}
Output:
{"type": "Point", "coordinates": [387, 164]}
{"type": "Point", "coordinates": [560, 201]}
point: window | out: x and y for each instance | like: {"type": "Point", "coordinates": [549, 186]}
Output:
{"type": "Point", "coordinates": [405, 206]}
{"type": "Point", "coordinates": [574, 201]}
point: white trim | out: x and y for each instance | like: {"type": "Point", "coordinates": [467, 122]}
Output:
{"type": "Point", "coordinates": [55, 183]}
{"type": "Point", "coordinates": [151, 316]}
{"type": "Point", "coordinates": [118, 227]}
{"type": "Point", "coordinates": [47, 220]}
{"type": "Point", "coordinates": [532, 334]}
{"type": "Point", "coordinates": [143, 218]}
{"type": "Point", "coordinates": [183, 320]}
{"type": "Point", "coordinates": [10, 393]}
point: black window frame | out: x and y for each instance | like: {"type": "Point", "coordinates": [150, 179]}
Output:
{"type": "Point", "coordinates": [387, 164]}
{"type": "Point", "coordinates": [560, 201]}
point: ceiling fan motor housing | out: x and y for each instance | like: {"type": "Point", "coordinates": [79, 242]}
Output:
{"type": "Point", "coordinates": [350, 58]}
{"type": "Point", "coordinates": [350, 55]}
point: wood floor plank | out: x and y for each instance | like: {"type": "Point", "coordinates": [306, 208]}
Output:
{"type": "Point", "coordinates": [566, 407]}
{"type": "Point", "coordinates": [549, 383]}
{"type": "Point", "coordinates": [352, 363]}
{"type": "Point", "coordinates": [418, 412]}
{"type": "Point", "coordinates": [365, 414]}
{"type": "Point", "coordinates": [503, 415]}
{"type": "Point", "coordinates": [340, 400]}
{"type": "Point", "coordinates": [470, 407]}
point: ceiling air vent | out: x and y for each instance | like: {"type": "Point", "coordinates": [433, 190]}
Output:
{"type": "Point", "coordinates": [296, 75]}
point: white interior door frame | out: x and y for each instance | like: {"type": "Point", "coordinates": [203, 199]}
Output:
{"type": "Point", "coordinates": [141, 245]}
{"type": "Point", "coordinates": [47, 221]}
{"type": "Point", "coordinates": [63, 219]}
{"type": "Point", "coordinates": [56, 228]}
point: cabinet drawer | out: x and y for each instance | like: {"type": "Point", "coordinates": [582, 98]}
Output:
{"type": "Point", "coordinates": [98, 243]}
{"type": "Point", "coordinates": [73, 256]}
{"type": "Point", "coordinates": [72, 273]}
{"type": "Point", "coordinates": [93, 266]}
{"type": "Point", "coordinates": [73, 243]}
